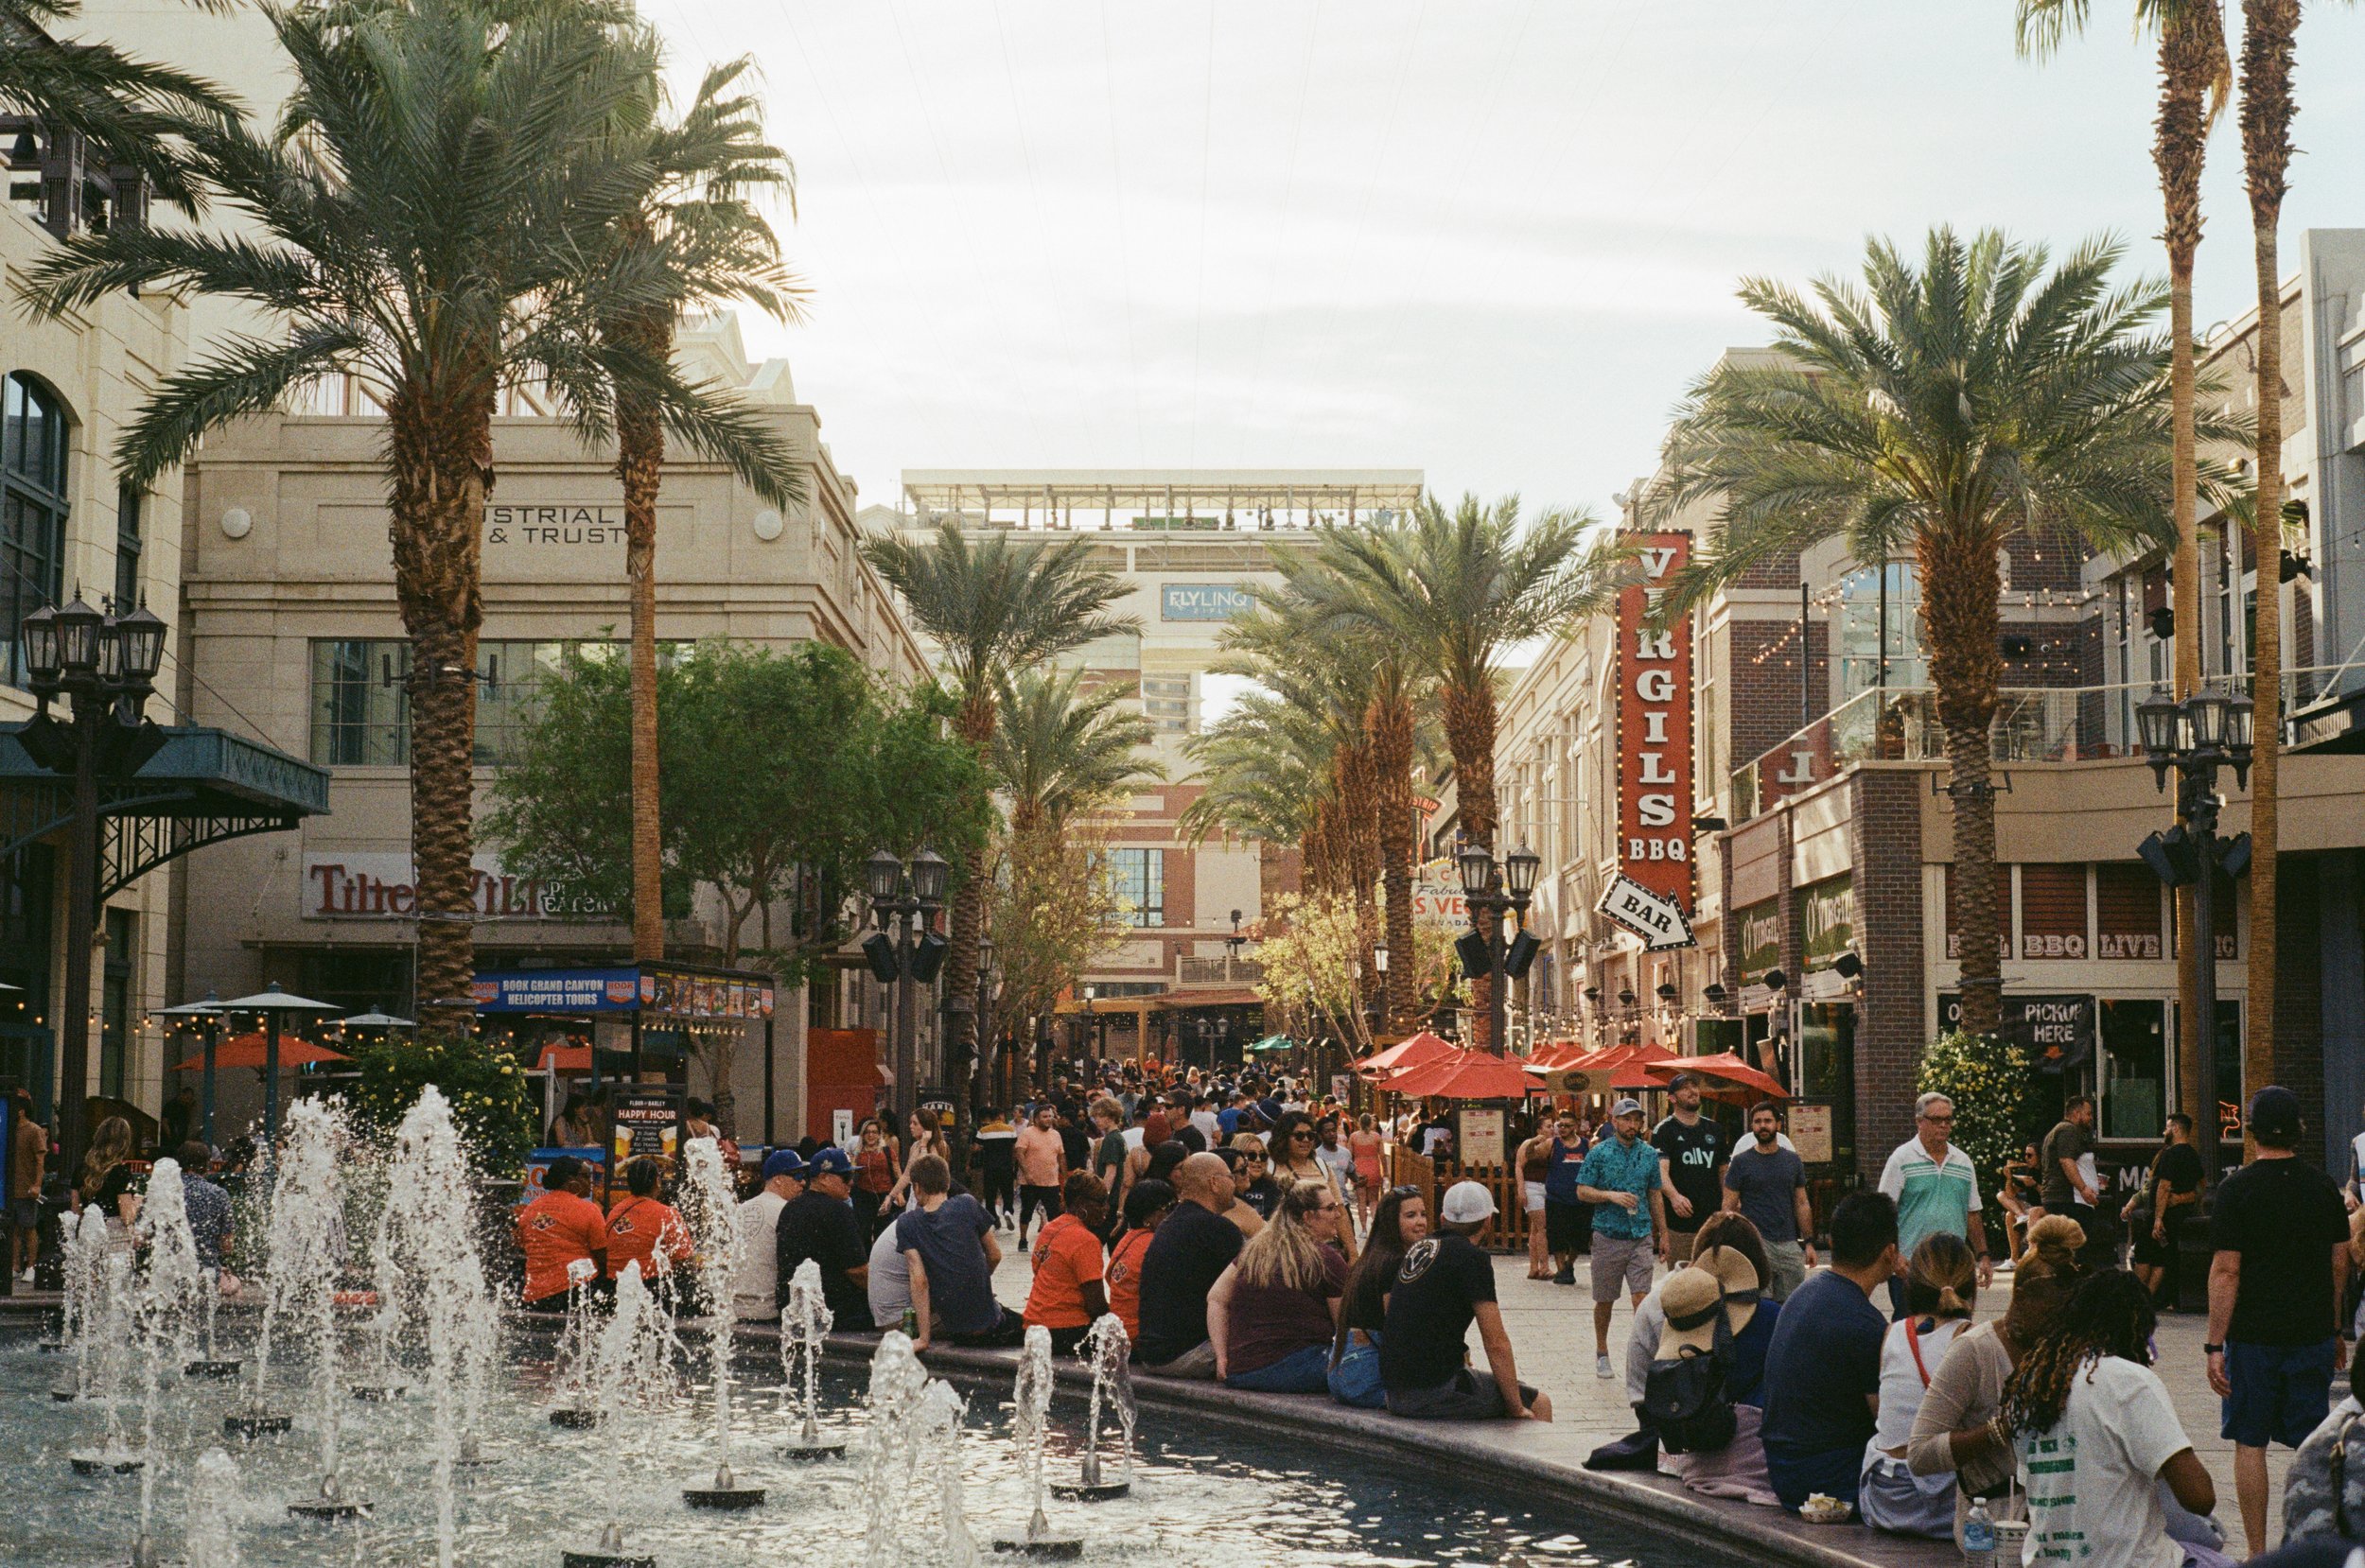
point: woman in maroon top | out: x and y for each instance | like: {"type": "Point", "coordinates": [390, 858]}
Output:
{"type": "Point", "coordinates": [1274, 1310]}
{"type": "Point", "coordinates": [876, 1168]}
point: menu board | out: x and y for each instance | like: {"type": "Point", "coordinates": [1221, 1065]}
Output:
{"type": "Point", "coordinates": [1479, 1137]}
{"type": "Point", "coordinates": [1811, 1131]}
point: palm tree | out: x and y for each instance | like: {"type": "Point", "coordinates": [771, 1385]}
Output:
{"type": "Point", "coordinates": [1260, 768]}
{"type": "Point", "coordinates": [691, 221]}
{"type": "Point", "coordinates": [1062, 752]}
{"type": "Point", "coordinates": [994, 608]}
{"type": "Point", "coordinates": [1944, 408]}
{"type": "Point", "coordinates": [2196, 74]}
{"type": "Point", "coordinates": [1455, 591]}
{"type": "Point", "coordinates": [127, 109]}
{"type": "Point", "coordinates": [438, 265]}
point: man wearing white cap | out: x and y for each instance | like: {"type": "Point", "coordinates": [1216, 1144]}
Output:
{"type": "Point", "coordinates": [1622, 1180]}
{"type": "Point", "coordinates": [1443, 1285]}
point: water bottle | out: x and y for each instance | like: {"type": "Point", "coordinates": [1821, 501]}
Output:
{"type": "Point", "coordinates": [911, 1330]}
{"type": "Point", "coordinates": [1978, 1537]}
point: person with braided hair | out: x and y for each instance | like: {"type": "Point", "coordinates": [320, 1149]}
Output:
{"type": "Point", "coordinates": [2095, 1434]}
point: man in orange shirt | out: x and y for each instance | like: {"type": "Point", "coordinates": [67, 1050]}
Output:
{"type": "Point", "coordinates": [559, 1229]}
{"type": "Point", "coordinates": [1068, 1296]}
{"type": "Point", "coordinates": [1042, 1166]}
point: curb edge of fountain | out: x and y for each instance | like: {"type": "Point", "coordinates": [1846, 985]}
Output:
{"type": "Point", "coordinates": [1653, 1501]}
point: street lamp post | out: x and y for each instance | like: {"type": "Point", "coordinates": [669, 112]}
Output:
{"type": "Point", "coordinates": [906, 949]}
{"type": "Point", "coordinates": [105, 667]}
{"type": "Point", "coordinates": [2194, 738]}
{"type": "Point", "coordinates": [1492, 892]}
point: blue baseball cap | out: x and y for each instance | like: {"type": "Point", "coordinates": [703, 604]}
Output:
{"type": "Point", "coordinates": [783, 1163]}
{"type": "Point", "coordinates": [828, 1160]}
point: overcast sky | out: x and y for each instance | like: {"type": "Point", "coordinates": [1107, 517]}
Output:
{"type": "Point", "coordinates": [1492, 239]}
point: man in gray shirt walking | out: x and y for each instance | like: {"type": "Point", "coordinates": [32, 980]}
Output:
{"type": "Point", "coordinates": [1767, 1184]}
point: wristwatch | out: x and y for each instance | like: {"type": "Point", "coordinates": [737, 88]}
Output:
{"type": "Point", "coordinates": [2212, 1350]}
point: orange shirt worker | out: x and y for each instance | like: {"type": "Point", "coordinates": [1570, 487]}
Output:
{"type": "Point", "coordinates": [642, 1230]}
{"type": "Point", "coordinates": [558, 1230]}
{"type": "Point", "coordinates": [1068, 1295]}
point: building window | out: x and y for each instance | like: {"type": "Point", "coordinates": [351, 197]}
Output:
{"type": "Point", "coordinates": [362, 703]}
{"type": "Point", "coordinates": [1166, 702]}
{"type": "Point", "coordinates": [114, 1004]}
{"type": "Point", "coordinates": [2134, 1068]}
{"type": "Point", "coordinates": [1860, 644]}
{"type": "Point", "coordinates": [32, 509]}
{"type": "Point", "coordinates": [1139, 878]}
{"type": "Point", "coordinates": [129, 544]}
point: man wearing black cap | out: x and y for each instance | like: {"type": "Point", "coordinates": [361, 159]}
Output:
{"type": "Point", "coordinates": [2280, 1236]}
{"type": "Point", "coordinates": [820, 1223]}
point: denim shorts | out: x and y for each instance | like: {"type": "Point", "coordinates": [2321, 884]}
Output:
{"type": "Point", "coordinates": [2281, 1392]}
{"type": "Point", "coordinates": [1355, 1379]}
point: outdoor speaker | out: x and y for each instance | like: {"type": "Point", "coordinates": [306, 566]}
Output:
{"type": "Point", "coordinates": [930, 958]}
{"type": "Point", "coordinates": [2171, 857]}
{"type": "Point", "coordinates": [1471, 948]}
{"type": "Point", "coordinates": [879, 948]}
{"type": "Point", "coordinates": [1520, 954]}
{"type": "Point", "coordinates": [2234, 856]}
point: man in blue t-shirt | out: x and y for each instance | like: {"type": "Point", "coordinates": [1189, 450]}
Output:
{"type": "Point", "coordinates": [1620, 1178]}
{"type": "Point", "coordinates": [948, 1242]}
{"type": "Point", "coordinates": [1823, 1371]}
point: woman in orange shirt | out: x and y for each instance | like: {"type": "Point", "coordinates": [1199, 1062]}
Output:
{"type": "Point", "coordinates": [1146, 1202]}
{"type": "Point", "coordinates": [1069, 1295]}
{"type": "Point", "coordinates": [642, 1230]}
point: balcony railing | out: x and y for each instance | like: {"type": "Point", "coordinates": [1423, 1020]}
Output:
{"type": "Point", "coordinates": [1220, 972]}
{"type": "Point", "coordinates": [2032, 724]}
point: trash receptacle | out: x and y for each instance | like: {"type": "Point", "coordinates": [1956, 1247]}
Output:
{"type": "Point", "coordinates": [2193, 1255]}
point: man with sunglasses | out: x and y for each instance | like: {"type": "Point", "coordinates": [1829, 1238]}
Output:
{"type": "Point", "coordinates": [1935, 1188]}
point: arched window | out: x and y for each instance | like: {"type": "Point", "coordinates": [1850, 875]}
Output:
{"type": "Point", "coordinates": [32, 509]}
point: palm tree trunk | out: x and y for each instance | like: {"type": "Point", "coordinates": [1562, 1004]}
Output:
{"type": "Point", "coordinates": [2192, 60]}
{"type": "Point", "coordinates": [2269, 30]}
{"type": "Point", "coordinates": [1391, 725]}
{"type": "Point", "coordinates": [1470, 736]}
{"type": "Point", "coordinates": [439, 451]}
{"type": "Point", "coordinates": [1358, 792]}
{"type": "Point", "coordinates": [640, 465]}
{"type": "Point", "coordinates": [1960, 608]}
{"type": "Point", "coordinates": [975, 724]}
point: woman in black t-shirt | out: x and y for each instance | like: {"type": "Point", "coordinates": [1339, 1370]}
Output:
{"type": "Point", "coordinates": [1401, 1219]}
{"type": "Point", "coordinates": [107, 1178]}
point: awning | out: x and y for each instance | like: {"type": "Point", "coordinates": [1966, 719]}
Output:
{"type": "Point", "coordinates": [201, 786]}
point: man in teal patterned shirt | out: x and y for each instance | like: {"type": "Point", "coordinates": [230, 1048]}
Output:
{"type": "Point", "coordinates": [1620, 1178]}
{"type": "Point", "coordinates": [1935, 1188]}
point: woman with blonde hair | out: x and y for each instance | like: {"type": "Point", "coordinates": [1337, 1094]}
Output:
{"type": "Point", "coordinates": [927, 1138]}
{"type": "Point", "coordinates": [1942, 1284]}
{"type": "Point", "coordinates": [1954, 1432]}
{"type": "Point", "coordinates": [1274, 1310]}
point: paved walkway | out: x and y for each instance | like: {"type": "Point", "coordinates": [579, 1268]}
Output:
{"type": "Point", "coordinates": [1551, 1334]}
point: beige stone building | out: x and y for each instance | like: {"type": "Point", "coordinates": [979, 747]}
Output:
{"type": "Point", "coordinates": [291, 623]}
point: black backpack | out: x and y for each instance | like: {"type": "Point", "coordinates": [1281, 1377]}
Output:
{"type": "Point", "coordinates": [1685, 1398]}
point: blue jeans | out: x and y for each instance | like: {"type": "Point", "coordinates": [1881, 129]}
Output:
{"type": "Point", "coordinates": [1302, 1371]}
{"type": "Point", "coordinates": [1355, 1379]}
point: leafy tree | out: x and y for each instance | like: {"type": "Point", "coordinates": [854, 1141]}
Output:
{"type": "Point", "coordinates": [1054, 911]}
{"type": "Point", "coordinates": [994, 606]}
{"type": "Point", "coordinates": [689, 220]}
{"type": "Point", "coordinates": [782, 771]}
{"type": "Point", "coordinates": [1941, 408]}
{"type": "Point", "coordinates": [467, 252]}
{"type": "Point", "coordinates": [1311, 948]}
{"type": "Point", "coordinates": [1456, 591]}
{"type": "Point", "coordinates": [491, 1103]}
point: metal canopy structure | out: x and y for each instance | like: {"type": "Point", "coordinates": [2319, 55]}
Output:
{"type": "Point", "coordinates": [202, 785]}
{"type": "Point", "coordinates": [1160, 498]}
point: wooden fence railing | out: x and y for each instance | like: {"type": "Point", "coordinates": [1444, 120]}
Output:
{"type": "Point", "coordinates": [1507, 1231]}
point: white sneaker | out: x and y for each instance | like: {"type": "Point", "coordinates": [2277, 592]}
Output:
{"type": "Point", "coordinates": [1602, 1368]}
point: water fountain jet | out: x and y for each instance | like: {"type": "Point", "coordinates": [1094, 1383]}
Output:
{"type": "Point", "coordinates": [710, 1210]}
{"type": "Point", "coordinates": [803, 1322]}
{"type": "Point", "coordinates": [1030, 1427]}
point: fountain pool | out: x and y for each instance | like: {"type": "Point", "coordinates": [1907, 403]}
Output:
{"type": "Point", "coordinates": [1209, 1496]}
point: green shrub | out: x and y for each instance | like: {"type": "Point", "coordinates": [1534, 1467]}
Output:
{"type": "Point", "coordinates": [1987, 1077]}
{"type": "Point", "coordinates": [491, 1101]}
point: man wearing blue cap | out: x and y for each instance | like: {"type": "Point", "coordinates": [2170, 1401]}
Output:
{"type": "Point", "coordinates": [820, 1224]}
{"type": "Point", "coordinates": [754, 1283]}
{"type": "Point", "coordinates": [2281, 1235]}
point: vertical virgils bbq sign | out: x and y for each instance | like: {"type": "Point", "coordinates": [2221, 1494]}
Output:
{"type": "Point", "coordinates": [1652, 892]}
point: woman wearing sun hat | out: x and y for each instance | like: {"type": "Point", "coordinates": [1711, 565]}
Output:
{"type": "Point", "coordinates": [1690, 1296]}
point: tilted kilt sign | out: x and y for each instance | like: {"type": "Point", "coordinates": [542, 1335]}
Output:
{"type": "Point", "coordinates": [1651, 894]}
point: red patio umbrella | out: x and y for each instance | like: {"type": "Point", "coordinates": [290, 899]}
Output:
{"type": "Point", "coordinates": [565, 1058]}
{"type": "Point", "coordinates": [1413, 1051]}
{"type": "Point", "coordinates": [247, 1050]}
{"type": "Point", "coordinates": [1728, 1068]}
{"type": "Point", "coordinates": [1466, 1076]}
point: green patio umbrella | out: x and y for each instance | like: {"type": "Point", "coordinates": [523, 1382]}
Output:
{"type": "Point", "coordinates": [1270, 1042]}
